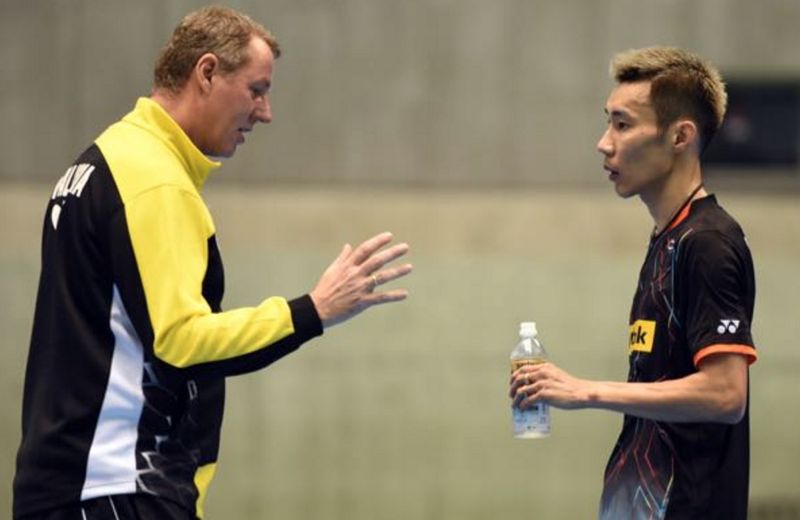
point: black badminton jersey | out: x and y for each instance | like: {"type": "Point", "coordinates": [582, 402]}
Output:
{"type": "Point", "coordinates": [694, 299]}
{"type": "Point", "coordinates": [124, 386]}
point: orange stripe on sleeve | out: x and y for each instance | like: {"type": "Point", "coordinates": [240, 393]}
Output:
{"type": "Point", "coordinates": [744, 350]}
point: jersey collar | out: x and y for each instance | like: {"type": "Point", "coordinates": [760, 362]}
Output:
{"type": "Point", "coordinates": [150, 115]}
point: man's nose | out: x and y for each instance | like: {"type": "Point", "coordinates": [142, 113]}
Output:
{"type": "Point", "coordinates": [263, 111]}
{"type": "Point", "coordinates": [604, 145]}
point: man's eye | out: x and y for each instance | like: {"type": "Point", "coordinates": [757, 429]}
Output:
{"type": "Point", "coordinates": [621, 125]}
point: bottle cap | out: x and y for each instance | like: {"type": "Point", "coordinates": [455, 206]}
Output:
{"type": "Point", "coordinates": [528, 329]}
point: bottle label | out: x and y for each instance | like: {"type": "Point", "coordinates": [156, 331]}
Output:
{"type": "Point", "coordinates": [534, 421]}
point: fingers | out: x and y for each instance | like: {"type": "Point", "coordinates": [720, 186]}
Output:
{"type": "Point", "coordinates": [340, 261]}
{"type": "Point", "coordinates": [370, 259]}
{"type": "Point", "coordinates": [547, 383]}
{"type": "Point", "coordinates": [523, 387]}
{"type": "Point", "coordinates": [524, 395]}
{"type": "Point", "coordinates": [387, 275]}
{"type": "Point", "coordinates": [533, 392]}
{"type": "Point", "coordinates": [379, 259]}
{"type": "Point", "coordinates": [347, 287]}
{"type": "Point", "coordinates": [518, 380]}
{"type": "Point", "coordinates": [346, 251]}
{"type": "Point", "coordinates": [367, 248]}
{"type": "Point", "coordinates": [379, 298]}
{"type": "Point", "coordinates": [526, 373]}
{"type": "Point", "coordinates": [518, 385]}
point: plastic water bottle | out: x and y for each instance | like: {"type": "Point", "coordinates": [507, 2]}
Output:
{"type": "Point", "coordinates": [534, 422]}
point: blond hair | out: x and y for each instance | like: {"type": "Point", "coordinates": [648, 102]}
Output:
{"type": "Point", "coordinates": [222, 31]}
{"type": "Point", "coordinates": [681, 85]}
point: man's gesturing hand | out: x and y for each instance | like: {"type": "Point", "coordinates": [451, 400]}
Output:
{"type": "Point", "coordinates": [347, 286]}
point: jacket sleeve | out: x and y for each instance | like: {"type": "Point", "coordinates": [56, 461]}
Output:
{"type": "Point", "coordinates": [169, 228]}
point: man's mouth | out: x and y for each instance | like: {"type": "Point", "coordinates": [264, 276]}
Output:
{"type": "Point", "coordinates": [612, 173]}
{"type": "Point", "coordinates": [242, 131]}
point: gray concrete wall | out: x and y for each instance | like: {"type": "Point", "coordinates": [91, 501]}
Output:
{"type": "Point", "coordinates": [444, 92]}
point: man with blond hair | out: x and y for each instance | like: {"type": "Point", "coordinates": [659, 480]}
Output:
{"type": "Point", "coordinates": [684, 447]}
{"type": "Point", "coordinates": [124, 389]}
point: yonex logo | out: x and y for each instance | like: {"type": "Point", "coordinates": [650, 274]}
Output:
{"type": "Point", "coordinates": [730, 326]}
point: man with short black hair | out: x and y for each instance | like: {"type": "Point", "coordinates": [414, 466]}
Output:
{"type": "Point", "coordinates": [684, 447]}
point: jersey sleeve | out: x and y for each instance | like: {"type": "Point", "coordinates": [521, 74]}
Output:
{"type": "Point", "coordinates": [718, 285]}
{"type": "Point", "coordinates": [169, 229]}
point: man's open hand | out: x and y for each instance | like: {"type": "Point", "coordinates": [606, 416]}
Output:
{"type": "Point", "coordinates": [348, 285]}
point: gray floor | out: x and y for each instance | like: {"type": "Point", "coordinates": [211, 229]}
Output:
{"type": "Point", "coordinates": [402, 414]}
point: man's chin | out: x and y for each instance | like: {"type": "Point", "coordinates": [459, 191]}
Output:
{"type": "Point", "coordinates": [220, 154]}
{"type": "Point", "coordinates": [624, 192]}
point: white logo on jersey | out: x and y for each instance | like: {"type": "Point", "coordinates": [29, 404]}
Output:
{"type": "Point", "coordinates": [71, 183]}
{"type": "Point", "coordinates": [54, 215]}
{"type": "Point", "coordinates": [727, 326]}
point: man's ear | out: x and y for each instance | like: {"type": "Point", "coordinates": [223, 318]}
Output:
{"type": "Point", "coordinates": [684, 134]}
{"type": "Point", "coordinates": [205, 68]}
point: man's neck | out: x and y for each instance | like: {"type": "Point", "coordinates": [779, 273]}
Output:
{"type": "Point", "coordinates": [180, 108]}
{"type": "Point", "coordinates": [676, 192]}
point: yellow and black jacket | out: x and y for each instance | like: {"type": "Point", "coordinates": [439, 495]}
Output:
{"type": "Point", "coordinates": [124, 389]}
